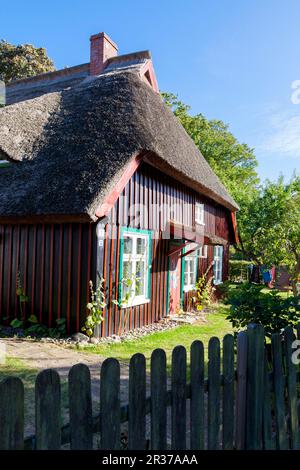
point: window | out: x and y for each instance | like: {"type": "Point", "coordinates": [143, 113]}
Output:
{"type": "Point", "coordinates": [199, 213]}
{"type": "Point", "coordinates": [218, 264]}
{"type": "Point", "coordinates": [135, 265]}
{"type": "Point", "coordinates": [202, 251]}
{"type": "Point", "coordinates": [190, 270]}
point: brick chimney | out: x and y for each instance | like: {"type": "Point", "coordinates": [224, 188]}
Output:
{"type": "Point", "coordinates": [102, 48]}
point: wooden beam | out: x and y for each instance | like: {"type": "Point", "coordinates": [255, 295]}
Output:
{"type": "Point", "coordinates": [191, 251]}
{"type": "Point", "coordinates": [183, 232]}
{"type": "Point", "coordinates": [147, 73]}
{"type": "Point", "coordinates": [176, 249]}
{"type": "Point", "coordinates": [112, 197]}
{"type": "Point", "coordinates": [234, 225]}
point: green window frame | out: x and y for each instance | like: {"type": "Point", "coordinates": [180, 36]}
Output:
{"type": "Point", "coordinates": [135, 267]}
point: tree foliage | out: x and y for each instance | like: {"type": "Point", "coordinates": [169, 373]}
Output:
{"type": "Point", "coordinates": [22, 61]}
{"type": "Point", "coordinates": [271, 232]}
{"type": "Point", "coordinates": [233, 162]}
{"type": "Point", "coordinates": [250, 304]}
{"type": "Point", "coordinates": [268, 220]}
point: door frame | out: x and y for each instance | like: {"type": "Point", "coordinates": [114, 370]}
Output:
{"type": "Point", "coordinates": [175, 243]}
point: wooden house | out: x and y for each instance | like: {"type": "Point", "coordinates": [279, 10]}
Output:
{"type": "Point", "coordinates": [99, 179]}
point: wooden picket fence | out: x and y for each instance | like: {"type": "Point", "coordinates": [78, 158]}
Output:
{"type": "Point", "coordinates": [246, 398]}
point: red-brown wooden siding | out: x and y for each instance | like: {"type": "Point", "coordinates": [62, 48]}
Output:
{"type": "Point", "coordinates": [149, 187]}
{"type": "Point", "coordinates": [55, 262]}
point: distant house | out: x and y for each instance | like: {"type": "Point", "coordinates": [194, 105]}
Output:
{"type": "Point", "coordinates": [99, 179]}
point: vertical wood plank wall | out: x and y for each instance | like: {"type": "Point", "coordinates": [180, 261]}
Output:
{"type": "Point", "coordinates": [57, 261]}
{"type": "Point", "coordinates": [149, 187]}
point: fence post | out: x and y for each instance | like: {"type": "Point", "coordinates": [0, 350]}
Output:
{"type": "Point", "coordinates": [279, 393]}
{"type": "Point", "coordinates": [137, 403]}
{"type": "Point", "coordinates": [291, 388]}
{"type": "Point", "coordinates": [47, 410]}
{"type": "Point", "coordinates": [214, 394]}
{"type": "Point", "coordinates": [179, 398]}
{"type": "Point", "coordinates": [255, 386]}
{"type": "Point", "coordinates": [110, 405]}
{"type": "Point", "coordinates": [268, 441]}
{"type": "Point", "coordinates": [80, 405]}
{"type": "Point", "coordinates": [197, 395]}
{"type": "Point", "coordinates": [228, 392]}
{"type": "Point", "coordinates": [241, 392]}
{"type": "Point", "coordinates": [158, 400]}
{"type": "Point", "coordinates": [12, 414]}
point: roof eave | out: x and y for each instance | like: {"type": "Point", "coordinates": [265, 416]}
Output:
{"type": "Point", "coordinates": [161, 165]}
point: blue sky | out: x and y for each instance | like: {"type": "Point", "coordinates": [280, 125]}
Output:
{"type": "Point", "coordinates": [232, 60]}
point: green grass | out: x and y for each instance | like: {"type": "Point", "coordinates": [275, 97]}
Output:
{"type": "Point", "coordinates": [14, 367]}
{"type": "Point", "coordinates": [184, 335]}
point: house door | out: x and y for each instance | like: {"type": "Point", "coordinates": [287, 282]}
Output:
{"type": "Point", "coordinates": [174, 283]}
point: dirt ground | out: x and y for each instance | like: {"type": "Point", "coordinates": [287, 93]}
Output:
{"type": "Point", "coordinates": [38, 356]}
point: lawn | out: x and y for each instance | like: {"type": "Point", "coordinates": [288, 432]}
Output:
{"type": "Point", "coordinates": [216, 325]}
{"type": "Point", "coordinates": [14, 367]}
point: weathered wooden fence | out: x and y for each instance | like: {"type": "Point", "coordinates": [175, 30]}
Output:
{"type": "Point", "coordinates": [247, 398]}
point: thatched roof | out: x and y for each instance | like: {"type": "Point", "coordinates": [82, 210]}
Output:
{"type": "Point", "coordinates": [71, 147]}
{"type": "Point", "coordinates": [58, 80]}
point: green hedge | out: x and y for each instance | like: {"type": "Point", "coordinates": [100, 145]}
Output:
{"type": "Point", "coordinates": [239, 270]}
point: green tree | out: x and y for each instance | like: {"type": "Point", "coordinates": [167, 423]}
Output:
{"type": "Point", "coordinates": [23, 60]}
{"type": "Point", "coordinates": [233, 162]}
{"type": "Point", "coordinates": [268, 222]}
{"type": "Point", "coordinates": [271, 232]}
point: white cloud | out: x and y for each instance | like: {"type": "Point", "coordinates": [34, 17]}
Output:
{"type": "Point", "coordinates": [283, 135]}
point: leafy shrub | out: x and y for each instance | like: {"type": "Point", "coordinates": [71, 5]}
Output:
{"type": "Point", "coordinates": [95, 308]}
{"type": "Point", "coordinates": [204, 293]}
{"type": "Point", "coordinates": [36, 329]}
{"type": "Point", "coordinates": [248, 304]}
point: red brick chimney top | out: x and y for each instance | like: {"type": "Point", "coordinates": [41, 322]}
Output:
{"type": "Point", "coordinates": [102, 49]}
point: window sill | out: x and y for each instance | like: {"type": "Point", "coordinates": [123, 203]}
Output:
{"type": "Point", "coordinates": [217, 283]}
{"type": "Point", "coordinates": [200, 223]}
{"type": "Point", "coordinates": [189, 288]}
{"type": "Point", "coordinates": [135, 303]}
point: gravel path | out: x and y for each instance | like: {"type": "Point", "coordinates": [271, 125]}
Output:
{"type": "Point", "coordinates": [39, 355]}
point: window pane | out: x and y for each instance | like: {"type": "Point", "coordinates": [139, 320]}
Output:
{"type": "Point", "coordinates": [128, 245]}
{"type": "Point", "coordinates": [186, 267]}
{"type": "Point", "coordinates": [192, 266]}
{"type": "Point", "coordinates": [140, 278]}
{"type": "Point", "coordinates": [186, 279]}
{"type": "Point", "coordinates": [127, 279]}
{"type": "Point", "coordinates": [141, 246]}
{"type": "Point", "coordinates": [199, 213]}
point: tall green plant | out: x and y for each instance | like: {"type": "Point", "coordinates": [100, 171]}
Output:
{"type": "Point", "coordinates": [95, 308]}
{"type": "Point", "coordinates": [204, 290]}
